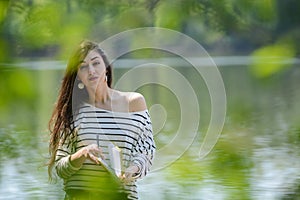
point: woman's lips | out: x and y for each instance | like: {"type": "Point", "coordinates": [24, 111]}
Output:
{"type": "Point", "coordinates": [93, 78]}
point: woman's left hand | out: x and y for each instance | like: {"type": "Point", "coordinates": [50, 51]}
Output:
{"type": "Point", "coordinates": [129, 173]}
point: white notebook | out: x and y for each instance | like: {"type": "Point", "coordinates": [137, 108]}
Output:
{"type": "Point", "coordinates": [115, 159]}
{"type": "Point", "coordinates": [115, 166]}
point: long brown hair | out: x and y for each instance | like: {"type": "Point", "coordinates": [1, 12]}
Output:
{"type": "Point", "coordinates": [69, 99]}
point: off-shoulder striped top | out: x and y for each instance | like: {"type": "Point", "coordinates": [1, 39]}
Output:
{"type": "Point", "coordinates": [131, 132]}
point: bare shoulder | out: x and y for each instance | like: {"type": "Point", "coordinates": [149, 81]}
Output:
{"type": "Point", "coordinates": [136, 102]}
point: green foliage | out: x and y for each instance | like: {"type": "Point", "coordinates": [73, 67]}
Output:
{"type": "Point", "coordinates": [266, 10]}
{"type": "Point", "coordinates": [56, 26]}
{"type": "Point", "coordinates": [3, 50]}
{"type": "Point", "coordinates": [256, 12]}
{"type": "Point", "coordinates": [133, 18]}
{"type": "Point", "coordinates": [3, 44]}
{"type": "Point", "coordinates": [41, 26]}
{"type": "Point", "coordinates": [169, 14]}
{"type": "Point", "coordinates": [18, 89]}
{"type": "Point", "coordinates": [3, 9]}
{"type": "Point", "coordinates": [75, 28]}
{"type": "Point", "coordinates": [21, 85]}
{"type": "Point", "coordinates": [274, 56]}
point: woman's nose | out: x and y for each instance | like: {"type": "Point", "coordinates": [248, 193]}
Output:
{"type": "Point", "coordinates": [91, 70]}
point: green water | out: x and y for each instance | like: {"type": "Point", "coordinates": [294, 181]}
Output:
{"type": "Point", "coordinates": [256, 156]}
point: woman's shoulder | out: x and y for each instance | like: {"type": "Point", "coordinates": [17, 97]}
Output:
{"type": "Point", "coordinates": [136, 101]}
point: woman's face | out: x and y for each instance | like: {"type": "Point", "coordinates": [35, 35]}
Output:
{"type": "Point", "coordinates": [92, 70]}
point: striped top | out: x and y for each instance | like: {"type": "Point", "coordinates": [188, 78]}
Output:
{"type": "Point", "coordinates": [131, 132]}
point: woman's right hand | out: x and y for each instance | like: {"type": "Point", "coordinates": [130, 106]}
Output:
{"type": "Point", "coordinates": [91, 152]}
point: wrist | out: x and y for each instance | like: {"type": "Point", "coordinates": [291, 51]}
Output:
{"type": "Point", "coordinates": [78, 158]}
{"type": "Point", "coordinates": [72, 165]}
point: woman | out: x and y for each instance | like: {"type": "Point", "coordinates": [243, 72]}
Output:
{"type": "Point", "coordinates": [89, 118]}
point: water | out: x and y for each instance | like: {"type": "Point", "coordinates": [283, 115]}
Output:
{"type": "Point", "coordinates": [256, 157]}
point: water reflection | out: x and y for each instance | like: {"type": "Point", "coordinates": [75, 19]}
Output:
{"type": "Point", "coordinates": [257, 156]}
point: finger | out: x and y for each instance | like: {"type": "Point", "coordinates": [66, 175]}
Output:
{"type": "Point", "coordinates": [94, 158]}
{"type": "Point", "coordinates": [100, 154]}
{"type": "Point", "coordinates": [93, 149]}
{"type": "Point", "coordinates": [97, 151]}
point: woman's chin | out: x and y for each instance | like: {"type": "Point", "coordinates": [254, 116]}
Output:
{"type": "Point", "coordinates": [94, 86]}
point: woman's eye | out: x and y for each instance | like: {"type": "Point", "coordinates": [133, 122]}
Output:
{"type": "Point", "coordinates": [96, 63]}
{"type": "Point", "coordinates": [83, 67]}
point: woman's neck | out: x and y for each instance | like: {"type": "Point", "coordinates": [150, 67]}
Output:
{"type": "Point", "coordinates": [102, 95]}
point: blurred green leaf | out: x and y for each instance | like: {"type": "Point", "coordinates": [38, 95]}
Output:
{"type": "Point", "coordinates": [169, 14]}
{"type": "Point", "coordinates": [271, 59]}
{"type": "Point", "coordinates": [42, 25]}
{"type": "Point", "coordinates": [21, 84]}
{"type": "Point", "coordinates": [75, 28]}
{"type": "Point", "coordinates": [3, 9]}
{"type": "Point", "coordinates": [266, 10]}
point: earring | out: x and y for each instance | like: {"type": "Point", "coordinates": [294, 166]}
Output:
{"type": "Point", "coordinates": [80, 85]}
{"type": "Point", "coordinates": [105, 78]}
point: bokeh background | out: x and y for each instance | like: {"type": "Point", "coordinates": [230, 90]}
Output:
{"type": "Point", "coordinates": [255, 44]}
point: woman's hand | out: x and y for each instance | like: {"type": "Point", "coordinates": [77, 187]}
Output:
{"type": "Point", "coordinates": [92, 152]}
{"type": "Point", "coordinates": [130, 173]}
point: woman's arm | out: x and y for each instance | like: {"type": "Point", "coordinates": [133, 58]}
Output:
{"type": "Point", "coordinates": [143, 152]}
{"type": "Point", "coordinates": [63, 165]}
{"type": "Point", "coordinates": [67, 163]}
